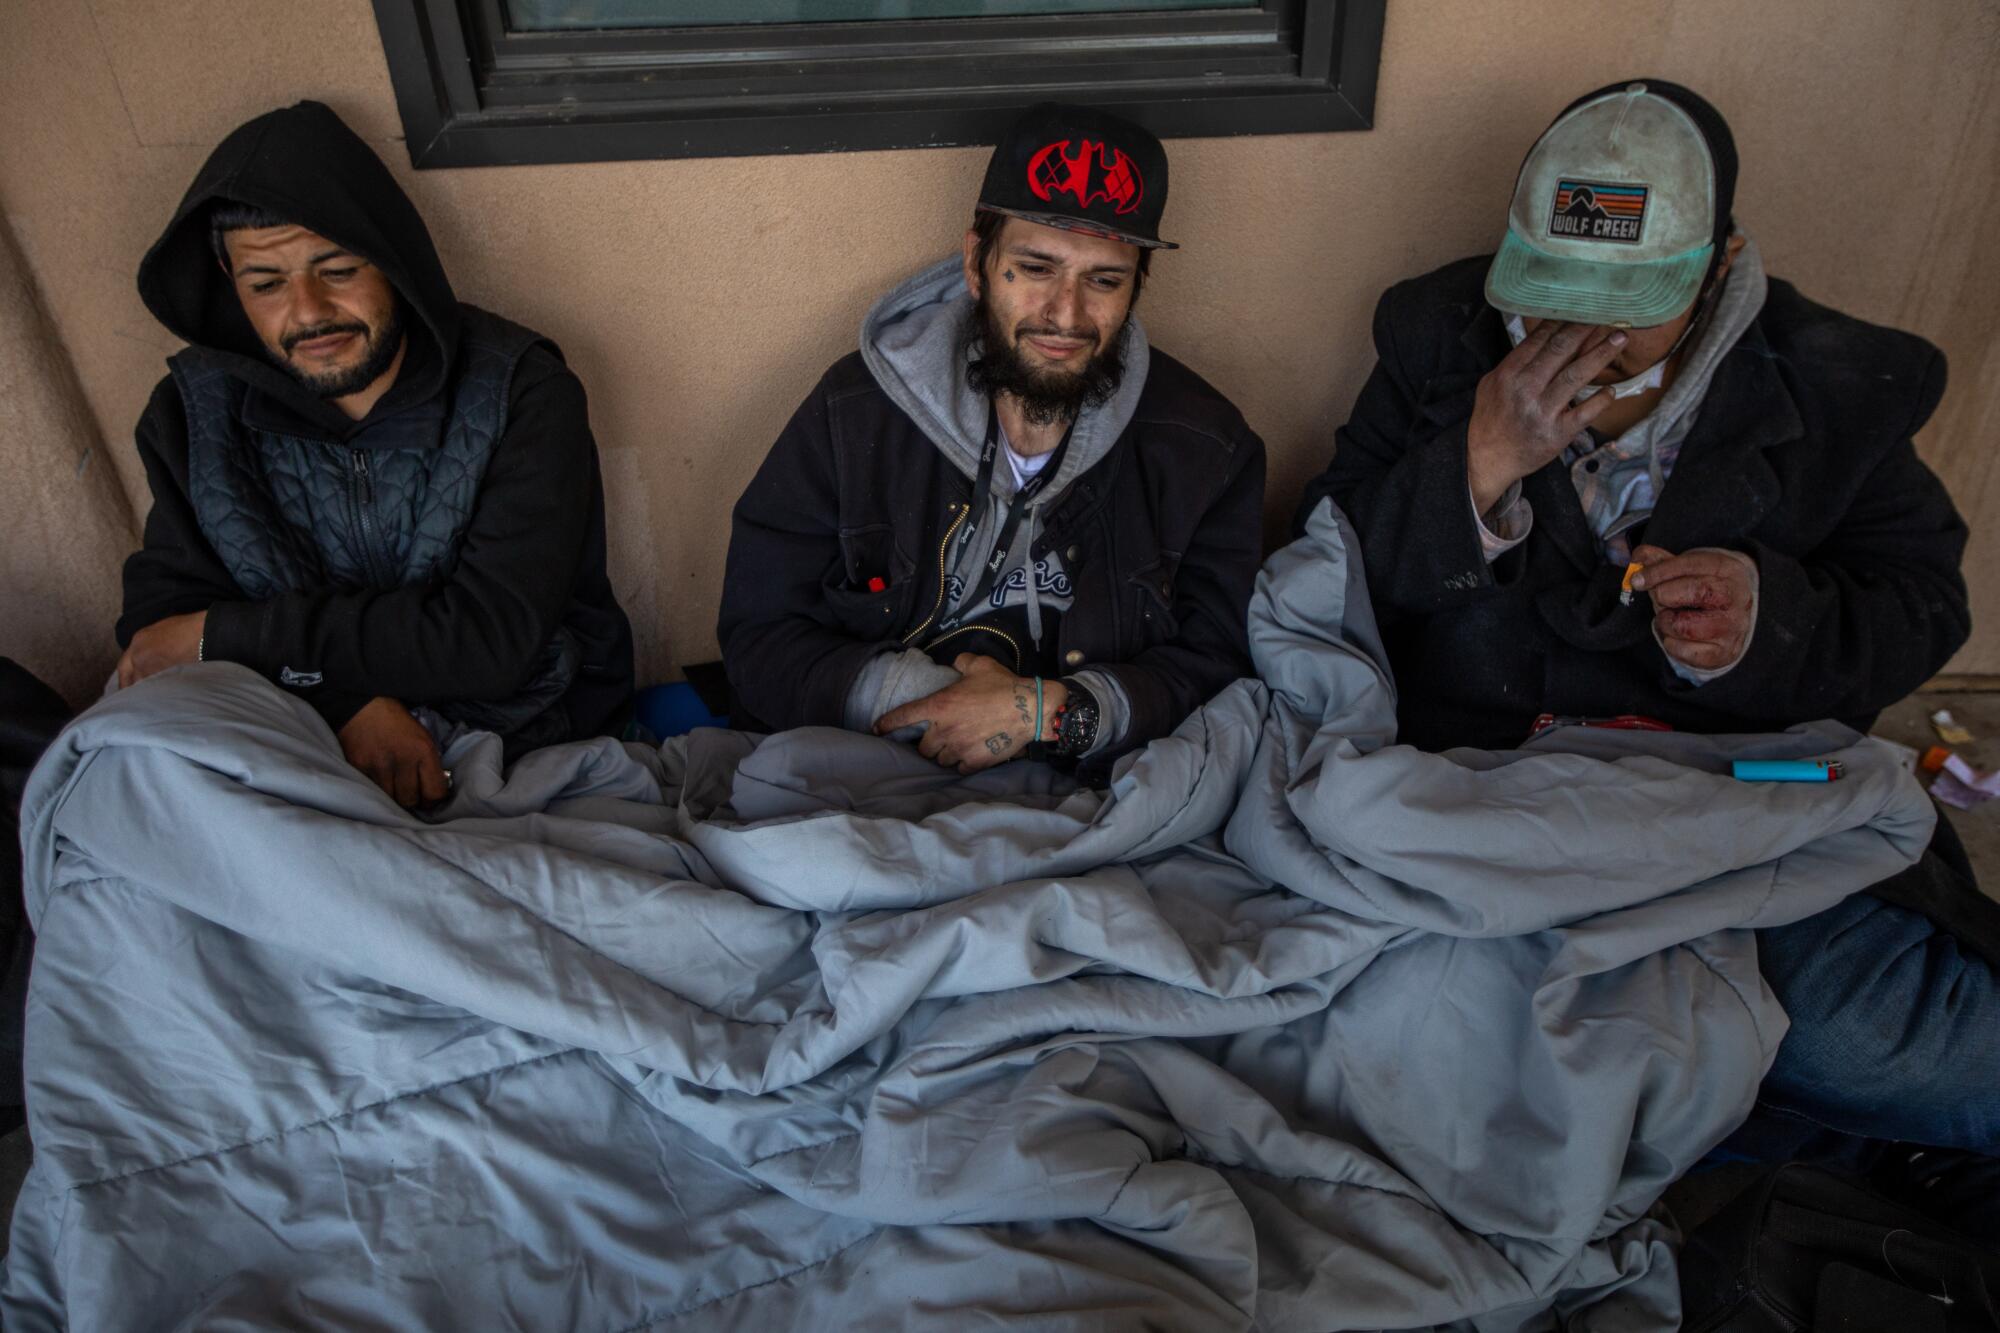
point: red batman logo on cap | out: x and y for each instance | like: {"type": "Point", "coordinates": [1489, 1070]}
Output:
{"type": "Point", "coordinates": [1099, 172]}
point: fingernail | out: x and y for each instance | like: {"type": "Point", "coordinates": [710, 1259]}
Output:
{"type": "Point", "coordinates": [1639, 581]}
{"type": "Point", "coordinates": [1617, 340]}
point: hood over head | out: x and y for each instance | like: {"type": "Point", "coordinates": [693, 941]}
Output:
{"type": "Point", "coordinates": [303, 164]}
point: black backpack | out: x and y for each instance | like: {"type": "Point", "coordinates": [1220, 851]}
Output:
{"type": "Point", "coordinates": [1805, 1251]}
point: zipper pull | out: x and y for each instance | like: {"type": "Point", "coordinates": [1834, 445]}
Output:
{"type": "Point", "coordinates": [367, 481]}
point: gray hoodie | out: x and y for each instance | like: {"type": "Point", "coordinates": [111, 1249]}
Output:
{"type": "Point", "coordinates": [1632, 470]}
{"type": "Point", "coordinates": [916, 343]}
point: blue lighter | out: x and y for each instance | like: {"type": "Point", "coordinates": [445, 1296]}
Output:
{"type": "Point", "coordinates": [1788, 770]}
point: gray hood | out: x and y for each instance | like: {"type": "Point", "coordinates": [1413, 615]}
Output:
{"type": "Point", "coordinates": [1632, 470]}
{"type": "Point", "coordinates": [1736, 308]}
{"type": "Point", "coordinates": [915, 344]}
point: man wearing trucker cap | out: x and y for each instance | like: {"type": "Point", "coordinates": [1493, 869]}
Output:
{"type": "Point", "coordinates": [1622, 384]}
{"type": "Point", "coordinates": [1007, 525]}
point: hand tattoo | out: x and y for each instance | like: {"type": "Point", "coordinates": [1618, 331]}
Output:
{"type": "Point", "coordinates": [1021, 707]}
{"type": "Point", "coordinates": [998, 744]}
{"type": "Point", "coordinates": [1009, 275]}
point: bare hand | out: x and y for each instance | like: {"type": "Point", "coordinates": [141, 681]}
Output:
{"type": "Point", "coordinates": [174, 641]}
{"type": "Point", "coordinates": [1704, 603]}
{"type": "Point", "coordinates": [388, 744]}
{"type": "Point", "coordinates": [1524, 412]}
{"type": "Point", "coordinates": [986, 718]}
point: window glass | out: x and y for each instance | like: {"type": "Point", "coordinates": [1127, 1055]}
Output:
{"type": "Point", "coordinates": [559, 15]}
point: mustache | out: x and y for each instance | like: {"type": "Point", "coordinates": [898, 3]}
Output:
{"type": "Point", "coordinates": [297, 336]}
{"type": "Point", "coordinates": [1051, 331]}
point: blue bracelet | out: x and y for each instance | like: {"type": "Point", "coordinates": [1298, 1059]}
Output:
{"type": "Point", "coordinates": [1038, 711]}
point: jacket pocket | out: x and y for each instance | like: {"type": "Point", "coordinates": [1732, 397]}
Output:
{"type": "Point", "coordinates": [868, 556]}
{"type": "Point", "coordinates": [1155, 599]}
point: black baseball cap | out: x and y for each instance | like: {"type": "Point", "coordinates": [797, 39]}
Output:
{"type": "Point", "coordinates": [1080, 169]}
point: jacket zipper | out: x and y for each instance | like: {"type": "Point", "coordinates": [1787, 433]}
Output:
{"type": "Point", "coordinates": [943, 546]}
{"type": "Point", "coordinates": [938, 605]}
{"type": "Point", "coordinates": [366, 483]}
{"type": "Point", "coordinates": [1012, 642]}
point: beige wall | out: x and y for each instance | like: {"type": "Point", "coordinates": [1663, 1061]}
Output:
{"type": "Point", "coordinates": [700, 300]}
{"type": "Point", "coordinates": [64, 520]}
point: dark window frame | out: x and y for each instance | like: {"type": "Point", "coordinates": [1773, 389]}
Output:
{"type": "Point", "coordinates": [472, 93]}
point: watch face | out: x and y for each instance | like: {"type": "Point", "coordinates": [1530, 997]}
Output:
{"type": "Point", "coordinates": [1079, 727]}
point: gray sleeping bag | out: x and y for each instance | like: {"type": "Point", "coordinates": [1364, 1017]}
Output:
{"type": "Point", "coordinates": [1292, 1028]}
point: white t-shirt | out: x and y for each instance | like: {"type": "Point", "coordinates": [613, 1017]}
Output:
{"type": "Point", "coordinates": [1025, 469]}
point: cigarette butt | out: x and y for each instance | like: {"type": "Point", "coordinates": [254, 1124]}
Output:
{"type": "Point", "coordinates": [1948, 729]}
{"type": "Point", "coordinates": [1625, 585]}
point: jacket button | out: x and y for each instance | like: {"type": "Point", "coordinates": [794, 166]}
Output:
{"type": "Point", "coordinates": [1074, 657]}
{"type": "Point", "coordinates": [1072, 553]}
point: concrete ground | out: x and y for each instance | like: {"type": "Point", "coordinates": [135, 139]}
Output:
{"type": "Point", "coordinates": [1699, 1196]}
{"type": "Point", "coordinates": [1979, 828]}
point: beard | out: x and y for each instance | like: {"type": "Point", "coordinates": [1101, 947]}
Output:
{"type": "Point", "coordinates": [376, 355]}
{"type": "Point", "coordinates": [997, 365]}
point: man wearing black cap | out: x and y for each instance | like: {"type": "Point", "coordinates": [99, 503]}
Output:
{"type": "Point", "coordinates": [1007, 525]}
{"type": "Point", "coordinates": [382, 499]}
{"type": "Point", "coordinates": [1616, 469]}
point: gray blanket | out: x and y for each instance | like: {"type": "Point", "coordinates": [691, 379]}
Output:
{"type": "Point", "coordinates": [1292, 1028]}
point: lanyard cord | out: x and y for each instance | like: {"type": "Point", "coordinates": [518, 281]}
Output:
{"type": "Point", "coordinates": [982, 489]}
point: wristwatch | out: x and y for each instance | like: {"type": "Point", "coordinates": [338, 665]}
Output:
{"type": "Point", "coordinates": [1076, 724]}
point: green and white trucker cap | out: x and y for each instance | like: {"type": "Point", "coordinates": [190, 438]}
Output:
{"type": "Point", "coordinates": [1614, 213]}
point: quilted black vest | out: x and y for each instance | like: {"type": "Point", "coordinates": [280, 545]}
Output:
{"type": "Point", "coordinates": [290, 514]}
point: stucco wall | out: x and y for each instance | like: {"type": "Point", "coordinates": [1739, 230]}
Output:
{"type": "Point", "coordinates": [700, 300]}
{"type": "Point", "coordinates": [64, 519]}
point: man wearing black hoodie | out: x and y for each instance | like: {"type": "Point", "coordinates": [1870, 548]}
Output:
{"type": "Point", "coordinates": [380, 498]}
{"type": "Point", "coordinates": [1006, 525]}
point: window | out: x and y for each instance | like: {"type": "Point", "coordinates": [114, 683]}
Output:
{"type": "Point", "coordinates": [547, 15]}
{"type": "Point", "coordinates": [485, 82]}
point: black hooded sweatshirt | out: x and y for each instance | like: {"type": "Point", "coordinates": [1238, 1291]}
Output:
{"type": "Point", "coordinates": [532, 556]}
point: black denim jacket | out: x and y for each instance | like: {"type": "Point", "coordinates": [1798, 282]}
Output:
{"type": "Point", "coordinates": [1161, 541]}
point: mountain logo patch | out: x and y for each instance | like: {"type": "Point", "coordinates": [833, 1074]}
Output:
{"type": "Point", "coordinates": [1596, 211]}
